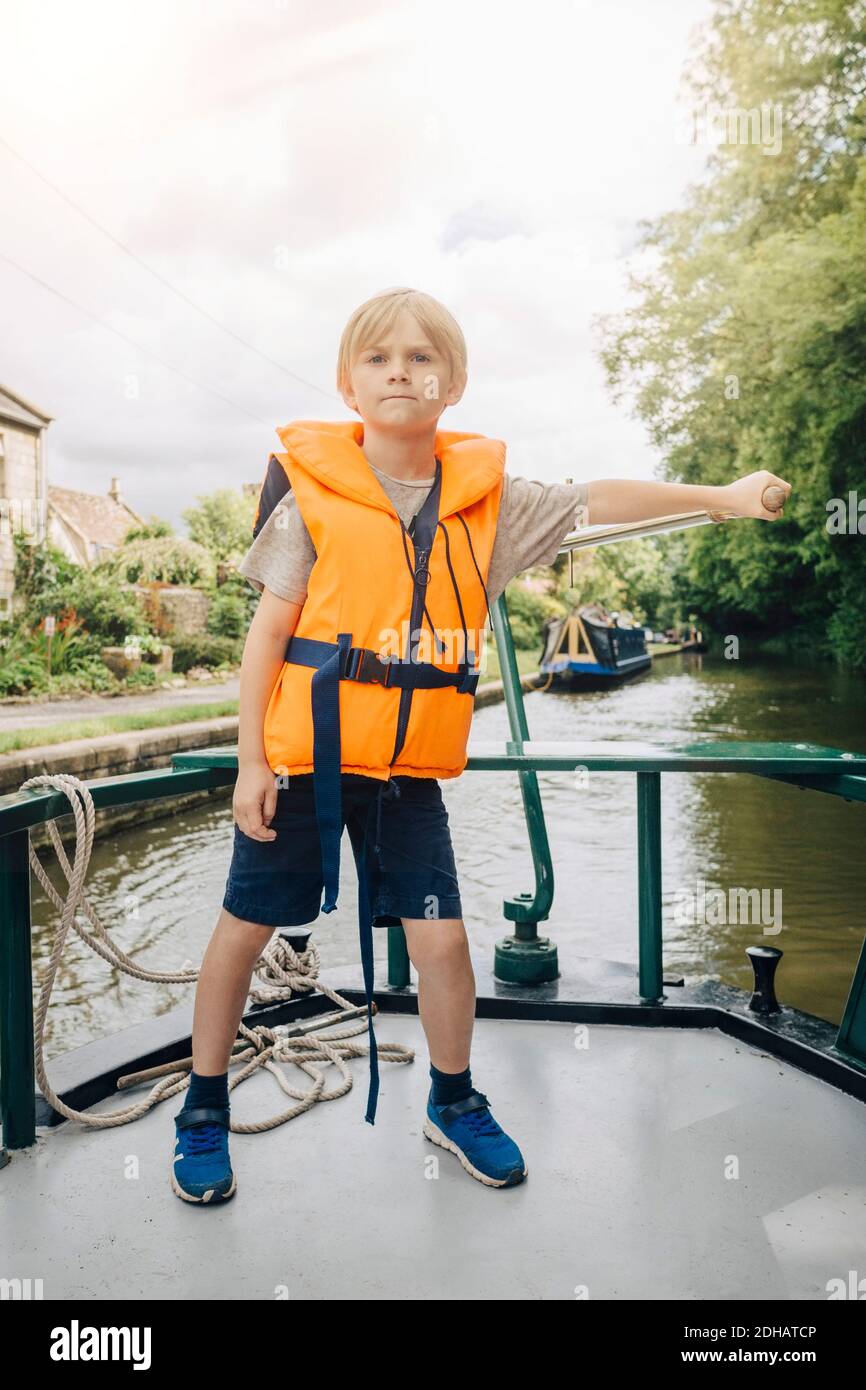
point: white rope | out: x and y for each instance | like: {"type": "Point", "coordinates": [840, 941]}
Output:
{"type": "Point", "coordinates": [281, 969]}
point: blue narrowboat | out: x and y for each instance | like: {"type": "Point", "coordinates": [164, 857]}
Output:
{"type": "Point", "coordinates": [591, 648]}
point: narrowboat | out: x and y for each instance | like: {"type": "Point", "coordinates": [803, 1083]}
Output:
{"type": "Point", "coordinates": [590, 649]}
{"type": "Point", "coordinates": [632, 1091]}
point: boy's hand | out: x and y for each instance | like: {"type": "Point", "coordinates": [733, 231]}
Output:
{"type": "Point", "coordinates": [745, 496]}
{"type": "Point", "coordinates": [255, 800]}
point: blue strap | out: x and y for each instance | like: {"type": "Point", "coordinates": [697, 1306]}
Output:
{"type": "Point", "coordinates": [307, 651]}
{"type": "Point", "coordinates": [326, 765]}
{"type": "Point", "coordinates": [405, 675]}
{"type": "Point", "coordinates": [365, 925]}
{"type": "Point", "coordinates": [331, 660]}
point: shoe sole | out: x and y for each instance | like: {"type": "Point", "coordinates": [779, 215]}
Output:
{"type": "Point", "coordinates": [434, 1133]}
{"type": "Point", "coordinates": [210, 1196]}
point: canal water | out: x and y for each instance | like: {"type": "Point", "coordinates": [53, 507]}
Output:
{"type": "Point", "coordinates": [746, 861]}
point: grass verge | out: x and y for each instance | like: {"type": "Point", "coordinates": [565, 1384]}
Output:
{"type": "Point", "coordinates": [45, 734]}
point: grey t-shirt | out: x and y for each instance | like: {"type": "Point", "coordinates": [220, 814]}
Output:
{"type": "Point", "coordinates": [533, 520]}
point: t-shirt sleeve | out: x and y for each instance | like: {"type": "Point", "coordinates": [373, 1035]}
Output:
{"type": "Point", "coordinates": [534, 519]}
{"type": "Point", "coordinates": [282, 554]}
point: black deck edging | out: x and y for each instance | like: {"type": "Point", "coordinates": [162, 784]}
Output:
{"type": "Point", "coordinates": [89, 1074]}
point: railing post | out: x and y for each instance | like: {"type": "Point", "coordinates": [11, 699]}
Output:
{"type": "Point", "coordinates": [398, 958]}
{"type": "Point", "coordinates": [524, 958]}
{"type": "Point", "coordinates": [851, 1038]}
{"type": "Point", "coordinates": [649, 860]}
{"type": "Point", "coordinates": [17, 1069]}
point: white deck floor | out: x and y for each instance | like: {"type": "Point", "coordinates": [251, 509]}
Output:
{"type": "Point", "coordinates": [629, 1145]}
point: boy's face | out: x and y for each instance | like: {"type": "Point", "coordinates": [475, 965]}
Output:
{"type": "Point", "coordinates": [402, 382]}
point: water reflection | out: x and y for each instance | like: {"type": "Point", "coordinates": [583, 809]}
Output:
{"type": "Point", "coordinates": [158, 888]}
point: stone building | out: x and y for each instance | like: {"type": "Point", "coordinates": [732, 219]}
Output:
{"type": "Point", "coordinates": [85, 526]}
{"type": "Point", "coordinates": [22, 483]}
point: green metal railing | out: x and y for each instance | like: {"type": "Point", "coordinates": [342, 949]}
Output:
{"type": "Point", "coordinates": [521, 958]}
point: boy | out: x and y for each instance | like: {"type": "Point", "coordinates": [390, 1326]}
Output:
{"type": "Point", "coordinates": [384, 538]}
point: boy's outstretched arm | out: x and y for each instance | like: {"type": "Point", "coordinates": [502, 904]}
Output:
{"type": "Point", "coordinates": [625, 499]}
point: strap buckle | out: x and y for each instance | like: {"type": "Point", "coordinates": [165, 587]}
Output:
{"type": "Point", "coordinates": [469, 682]}
{"type": "Point", "coordinates": [363, 664]}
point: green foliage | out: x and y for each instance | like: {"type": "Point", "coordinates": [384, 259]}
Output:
{"type": "Point", "coordinates": [164, 559]}
{"type": "Point", "coordinates": [144, 678]}
{"type": "Point", "coordinates": [105, 611]}
{"type": "Point", "coordinates": [149, 648]}
{"type": "Point", "coordinates": [204, 649]}
{"type": "Point", "coordinates": [528, 611]}
{"type": "Point", "coordinates": [746, 345]}
{"type": "Point", "coordinates": [68, 646]}
{"type": "Point", "coordinates": [229, 614]}
{"type": "Point", "coordinates": [222, 523]}
{"type": "Point", "coordinates": [154, 529]}
{"type": "Point", "coordinates": [638, 577]}
{"type": "Point", "coordinates": [90, 676]}
{"type": "Point", "coordinates": [21, 666]}
{"type": "Point", "coordinates": [39, 568]}
{"type": "Point", "coordinates": [91, 611]}
{"type": "Point", "coordinates": [75, 665]}
{"type": "Point", "coordinates": [239, 587]}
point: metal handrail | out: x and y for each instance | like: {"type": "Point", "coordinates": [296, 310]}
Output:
{"type": "Point", "coordinates": [832, 771]}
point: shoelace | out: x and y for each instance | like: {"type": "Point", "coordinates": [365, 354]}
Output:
{"type": "Point", "coordinates": [481, 1121]}
{"type": "Point", "coordinates": [203, 1138]}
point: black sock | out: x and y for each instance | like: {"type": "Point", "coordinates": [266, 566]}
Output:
{"type": "Point", "coordinates": [207, 1090]}
{"type": "Point", "coordinates": [450, 1086]}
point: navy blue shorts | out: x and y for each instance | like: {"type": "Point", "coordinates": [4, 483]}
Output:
{"type": "Point", "coordinates": [279, 883]}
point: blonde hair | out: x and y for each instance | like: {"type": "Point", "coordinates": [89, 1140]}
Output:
{"type": "Point", "coordinates": [378, 314]}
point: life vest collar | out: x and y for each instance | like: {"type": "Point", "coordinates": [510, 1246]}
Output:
{"type": "Point", "coordinates": [331, 451]}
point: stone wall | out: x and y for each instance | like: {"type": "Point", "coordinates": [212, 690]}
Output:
{"type": "Point", "coordinates": [111, 755]}
{"type": "Point", "coordinates": [181, 609]}
{"type": "Point", "coordinates": [18, 488]}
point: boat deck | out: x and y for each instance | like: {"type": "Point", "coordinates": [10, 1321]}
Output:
{"type": "Point", "coordinates": [633, 1143]}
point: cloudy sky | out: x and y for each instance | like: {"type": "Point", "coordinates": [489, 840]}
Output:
{"type": "Point", "coordinates": [270, 164]}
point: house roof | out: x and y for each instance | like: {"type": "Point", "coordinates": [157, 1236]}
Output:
{"type": "Point", "coordinates": [15, 409]}
{"type": "Point", "coordinates": [95, 516]}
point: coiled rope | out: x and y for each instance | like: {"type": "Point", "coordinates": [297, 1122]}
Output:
{"type": "Point", "coordinates": [281, 969]}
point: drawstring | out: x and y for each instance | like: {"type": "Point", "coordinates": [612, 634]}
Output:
{"type": "Point", "coordinates": [462, 520]}
{"type": "Point", "coordinates": [440, 645]}
{"type": "Point", "coordinates": [465, 662]}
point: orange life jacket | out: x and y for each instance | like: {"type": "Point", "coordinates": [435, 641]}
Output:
{"type": "Point", "coordinates": [362, 584]}
{"type": "Point", "coordinates": [380, 590]}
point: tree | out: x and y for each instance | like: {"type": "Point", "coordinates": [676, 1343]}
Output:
{"type": "Point", "coordinates": [746, 346]}
{"type": "Point", "coordinates": [154, 529]}
{"type": "Point", "coordinates": [165, 560]}
{"type": "Point", "coordinates": [222, 523]}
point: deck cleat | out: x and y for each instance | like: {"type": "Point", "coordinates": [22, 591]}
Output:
{"type": "Point", "coordinates": [201, 1170]}
{"type": "Point", "coordinates": [468, 1129]}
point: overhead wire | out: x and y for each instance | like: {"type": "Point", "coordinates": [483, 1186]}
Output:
{"type": "Point", "coordinates": [163, 280]}
{"type": "Point", "coordinates": [132, 342]}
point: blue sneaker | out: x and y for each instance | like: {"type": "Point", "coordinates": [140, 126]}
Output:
{"type": "Point", "coordinates": [201, 1170]}
{"type": "Point", "coordinates": [468, 1129]}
